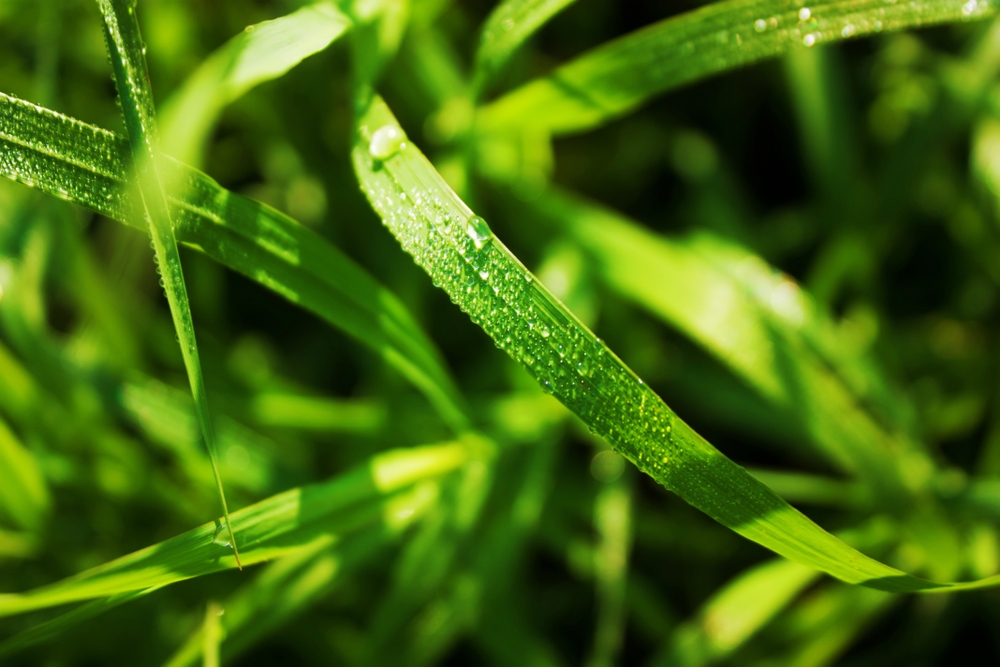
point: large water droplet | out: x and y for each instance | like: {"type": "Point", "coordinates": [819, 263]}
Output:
{"type": "Point", "coordinates": [804, 14]}
{"type": "Point", "coordinates": [478, 231]}
{"type": "Point", "coordinates": [221, 536]}
{"type": "Point", "coordinates": [386, 142]}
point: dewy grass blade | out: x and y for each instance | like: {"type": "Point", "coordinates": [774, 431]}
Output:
{"type": "Point", "coordinates": [505, 30]}
{"type": "Point", "coordinates": [391, 490]}
{"type": "Point", "coordinates": [86, 165]}
{"type": "Point", "coordinates": [262, 52]}
{"type": "Point", "coordinates": [616, 77]}
{"type": "Point", "coordinates": [125, 48]}
{"type": "Point", "coordinates": [463, 257]}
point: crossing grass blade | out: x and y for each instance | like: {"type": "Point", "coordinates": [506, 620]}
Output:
{"type": "Point", "coordinates": [126, 51]}
{"type": "Point", "coordinates": [391, 490]}
{"type": "Point", "coordinates": [262, 52]}
{"type": "Point", "coordinates": [86, 165]}
{"type": "Point", "coordinates": [618, 76]}
{"type": "Point", "coordinates": [463, 257]}
{"type": "Point", "coordinates": [507, 27]}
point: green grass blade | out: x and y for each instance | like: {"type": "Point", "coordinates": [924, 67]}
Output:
{"type": "Point", "coordinates": [24, 494]}
{"type": "Point", "coordinates": [507, 27]}
{"type": "Point", "coordinates": [211, 635]}
{"type": "Point", "coordinates": [463, 257]}
{"type": "Point", "coordinates": [386, 490]}
{"type": "Point", "coordinates": [126, 50]}
{"type": "Point", "coordinates": [262, 52]}
{"type": "Point", "coordinates": [86, 165]}
{"type": "Point", "coordinates": [736, 612]}
{"type": "Point", "coordinates": [615, 78]}
{"type": "Point", "coordinates": [757, 322]}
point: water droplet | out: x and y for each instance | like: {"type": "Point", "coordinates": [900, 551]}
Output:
{"type": "Point", "coordinates": [760, 25]}
{"type": "Point", "coordinates": [970, 7]}
{"type": "Point", "coordinates": [386, 142]}
{"type": "Point", "coordinates": [804, 14]}
{"type": "Point", "coordinates": [848, 30]}
{"type": "Point", "coordinates": [251, 28]}
{"type": "Point", "coordinates": [809, 39]}
{"type": "Point", "coordinates": [478, 231]}
{"type": "Point", "coordinates": [221, 536]}
{"type": "Point", "coordinates": [508, 24]}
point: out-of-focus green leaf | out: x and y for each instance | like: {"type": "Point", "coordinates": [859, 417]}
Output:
{"type": "Point", "coordinates": [388, 489]}
{"type": "Point", "coordinates": [264, 51]}
{"type": "Point", "coordinates": [24, 495]}
{"type": "Point", "coordinates": [508, 26]}
{"type": "Point", "coordinates": [86, 165]}
{"type": "Point", "coordinates": [616, 77]}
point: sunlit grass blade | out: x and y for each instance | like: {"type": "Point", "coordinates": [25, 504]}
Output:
{"type": "Point", "coordinates": [262, 52]}
{"type": "Point", "coordinates": [285, 588]}
{"type": "Point", "coordinates": [126, 51]}
{"type": "Point", "coordinates": [759, 323]}
{"type": "Point", "coordinates": [462, 256]}
{"type": "Point", "coordinates": [506, 28]}
{"type": "Point", "coordinates": [616, 77]}
{"type": "Point", "coordinates": [86, 165]}
{"type": "Point", "coordinates": [211, 634]}
{"type": "Point", "coordinates": [736, 612]}
{"type": "Point", "coordinates": [24, 494]}
{"type": "Point", "coordinates": [391, 490]}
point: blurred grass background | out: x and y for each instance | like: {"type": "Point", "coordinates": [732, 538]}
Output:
{"type": "Point", "coordinates": [868, 172]}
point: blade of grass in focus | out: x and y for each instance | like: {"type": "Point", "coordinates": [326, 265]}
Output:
{"type": "Point", "coordinates": [86, 165]}
{"type": "Point", "coordinates": [460, 253]}
{"type": "Point", "coordinates": [388, 490]}
{"type": "Point", "coordinates": [262, 52]}
{"type": "Point", "coordinates": [616, 77]}
{"type": "Point", "coordinates": [127, 54]}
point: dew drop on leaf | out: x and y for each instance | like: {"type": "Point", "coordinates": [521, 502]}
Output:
{"type": "Point", "coordinates": [478, 231]}
{"type": "Point", "coordinates": [386, 142]}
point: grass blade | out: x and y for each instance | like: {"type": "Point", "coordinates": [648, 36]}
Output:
{"type": "Point", "coordinates": [616, 77]}
{"type": "Point", "coordinates": [757, 322]}
{"type": "Point", "coordinates": [121, 32]}
{"type": "Point", "coordinates": [463, 257]}
{"type": "Point", "coordinates": [386, 490]}
{"type": "Point", "coordinates": [263, 52]}
{"type": "Point", "coordinates": [507, 27]}
{"type": "Point", "coordinates": [86, 165]}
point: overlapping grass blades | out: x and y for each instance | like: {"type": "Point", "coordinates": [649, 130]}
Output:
{"type": "Point", "coordinates": [126, 51]}
{"type": "Point", "coordinates": [389, 490]}
{"type": "Point", "coordinates": [461, 255]}
{"type": "Point", "coordinates": [616, 77]}
{"type": "Point", "coordinates": [87, 165]}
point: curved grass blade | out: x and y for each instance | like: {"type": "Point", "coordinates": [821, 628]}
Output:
{"type": "Point", "coordinates": [86, 165]}
{"type": "Point", "coordinates": [386, 491]}
{"type": "Point", "coordinates": [125, 48]}
{"type": "Point", "coordinates": [263, 52]}
{"type": "Point", "coordinates": [618, 76]}
{"type": "Point", "coordinates": [507, 27]}
{"type": "Point", "coordinates": [757, 322]}
{"type": "Point", "coordinates": [463, 257]}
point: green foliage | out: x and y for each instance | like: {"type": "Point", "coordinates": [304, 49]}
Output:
{"type": "Point", "coordinates": [752, 289]}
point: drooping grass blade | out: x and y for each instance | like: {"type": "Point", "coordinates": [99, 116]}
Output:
{"type": "Point", "coordinates": [262, 52]}
{"type": "Point", "coordinates": [87, 165]}
{"type": "Point", "coordinates": [620, 75]}
{"type": "Point", "coordinates": [462, 256]}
